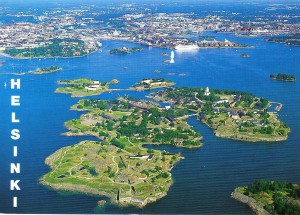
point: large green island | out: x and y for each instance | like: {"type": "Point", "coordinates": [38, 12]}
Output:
{"type": "Point", "coordinates": [119, 166]}
{"type": "Point", "coordinates": [270, 197]}
{"type": "Point", "coordinates": [231, 114]}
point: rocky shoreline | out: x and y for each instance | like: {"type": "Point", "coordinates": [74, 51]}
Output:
{"type": "Point", "coordinates": [250, 138]}
{"type": "Point", "coordinates": [123, 202]}
{"type": "Point", "coordinates": [257, 207]}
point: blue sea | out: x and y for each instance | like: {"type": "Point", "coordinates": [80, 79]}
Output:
{"type": "Point", "coordinates": [204, 180]}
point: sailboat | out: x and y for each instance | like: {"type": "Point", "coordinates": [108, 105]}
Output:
{"type": "Point", "coordinates": [172, 57]}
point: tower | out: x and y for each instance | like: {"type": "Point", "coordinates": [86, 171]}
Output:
{"type": "Point", "coordinates": [206, 92]}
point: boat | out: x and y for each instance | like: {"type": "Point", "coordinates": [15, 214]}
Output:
{"type": "Point", "coordinates": [186, 47]}
{"type": "Point", "coordinates": [172, 57]}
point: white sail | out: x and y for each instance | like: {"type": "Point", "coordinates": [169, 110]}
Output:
{"type": "Point", "coordinates": [172, 57]}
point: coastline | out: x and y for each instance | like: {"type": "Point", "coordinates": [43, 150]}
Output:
{"type": "Point", "coordinates": [255, 206]}
{"type": "Point", "coordinates": [250, 138]}
{"type": "Point", "coordinates": [118, 39]}
{"type": "Point", "coordinates": [28, 58]}
{"type": "Point", "coordinates": [92, 191]}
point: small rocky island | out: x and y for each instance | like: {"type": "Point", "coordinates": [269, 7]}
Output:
{"type": "Point", "coordinates": [46, 70]}
{"type": "Point", "coordinates": [152, 83]}
{"type": "Point", "coordinates": [283, 77]}
{"type": "Point", "coordinates": [84, 87]}
{"type": "Point", "coordinates": [125, 50]}
{"type": "Point", "coordinates": [270, 197]}
{"type": "Point", "coordinates": [245, 55]}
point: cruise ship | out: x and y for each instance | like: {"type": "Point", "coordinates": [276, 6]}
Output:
{"type": "Point", "coordinates": [186, 47]}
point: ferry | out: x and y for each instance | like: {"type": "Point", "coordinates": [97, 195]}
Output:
{"type": "Point", "coordinates": [186, 47]}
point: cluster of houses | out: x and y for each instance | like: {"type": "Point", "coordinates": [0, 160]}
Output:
{"type": "Point", "coordinates": [29, 36]}
{"type": "Point", "coordinates": [152, 83]}
{"type": "Point", "coordinates": [96, 85]}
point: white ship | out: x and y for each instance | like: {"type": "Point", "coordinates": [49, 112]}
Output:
{"type": "Point", "coordinates": [186, 47]}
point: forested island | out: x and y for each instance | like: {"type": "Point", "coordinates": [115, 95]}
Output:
{"type": "Point", "coordinates": [290, 40]}
{"type": "Point", "coordinates": [231, 114]}
{"type": "Point", "coordinates": [84, 87]}
{"type": "Point", "coordinates": [55, 48]}
{"type": "Point", "coordinates": [47, 70]}
{"type": "Point", "coordinates": [125, 50]}
{"type": "Point", "coordinates": [270, 197]}
{"type": "Point", "coordinates": [283, 77]}
{"type": "Point", "coordinates": [119, 166]}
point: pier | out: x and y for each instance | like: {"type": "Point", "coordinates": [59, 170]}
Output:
{"type": "Point", "coordinates": [278, 107]}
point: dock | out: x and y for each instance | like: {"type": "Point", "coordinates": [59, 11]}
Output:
{"type": "Point", "coordinates": [278, 107]}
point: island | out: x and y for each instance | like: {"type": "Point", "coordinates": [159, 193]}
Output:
{"type": "Point", "coordinates": [46, 70]}
{"type": "Point", "coordinates": [125, 50]}
{"type": "Point", "coordinates": [55, 48]}
{"type": "Point", "coordinates": [289, 40]}
{"type": "Point", "coordinates": [152, 83]}
{"type": "Point", "coordinates": [84, 87]}
{"type": "Point", "coordinates": [119, 165]}
{"type": "Point", "coordinates": [231, 114]}
{"type": "Point", "coordinates": [283, 77]}
{"type": "Point", "coordinates": [270, 197]}
{"type": "Point", "coordinates": [245, 55]}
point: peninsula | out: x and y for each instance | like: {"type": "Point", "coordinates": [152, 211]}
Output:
{"type": "Point", "coordinates": [289, 40]}
{"type": "Point", "coordinates": [283, 77]}
{"type": "Point", "coordinates": [231, 114]}
{"type": "Point", "coordinates": [270, 197]}
{"type": "Point", "coordinates": [119, 166]}
{"type": "Point", "coordinates": [47, 70]}
{"type": "Point", "coordinates": [84, 87]}
{"type": "Point", "coordinates": [55, 48]}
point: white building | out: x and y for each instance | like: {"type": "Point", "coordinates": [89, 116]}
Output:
{"type": "Point", "coordinates": [206, 92]}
